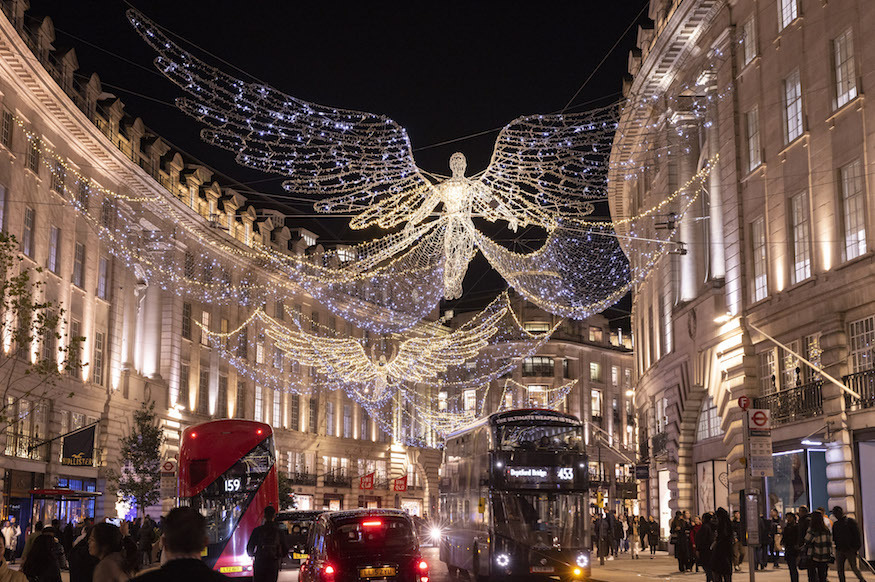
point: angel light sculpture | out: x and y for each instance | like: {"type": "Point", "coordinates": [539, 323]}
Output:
{"type": "Point", "coordinates": [545, 171]}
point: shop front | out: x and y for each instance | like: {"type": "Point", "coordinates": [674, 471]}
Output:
{"type": "Point", "coordinates": [370, 501]}
{"type": "Point", "coordinates": [712, 486]}
{"type": "Point", "coordinates": [412, 506]}
{"type": "Point", "coordinates": [866, 517]}
{"type": "Point", "coordinates": [799, 479]}
{"type": "Point", "coordinates": [333, 502]}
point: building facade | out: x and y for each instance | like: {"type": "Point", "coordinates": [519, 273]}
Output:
{"type": "Point", "coordinates": [778, 245]}
{"type": "Point", "coordinates": [75, 166]}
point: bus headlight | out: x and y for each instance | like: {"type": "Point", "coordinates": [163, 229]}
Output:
{"type": "Point", "coordinates": [502, 560]}
{"type": "Point", "coordinates": [435, 534]}
{"type": "Point", "coordinates": [582, 560]}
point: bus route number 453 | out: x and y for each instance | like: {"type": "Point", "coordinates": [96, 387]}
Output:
{"type": "Point", "coordinates": [232, 485]}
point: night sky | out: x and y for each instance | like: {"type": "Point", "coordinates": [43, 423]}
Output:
{"type": "Point", "coordinates": [443, 70]}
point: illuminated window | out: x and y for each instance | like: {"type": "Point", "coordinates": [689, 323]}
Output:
{"type": "Point", "coordinates": [596, 404]}
{"type": "Point", "coordinates": [595, 372]}
{"type": "Point", "coordinates": [844, 72]}
{"type": "Point", "coordinates": [205, 325]}
{"type": "Point", "coordinates": [758, 244]}
{"type": "Point", "coordinates": [748, 41]}
{"type": "Point", "coordinates": [54, 242]}
{"type": "Point", "coordinates": [861, 336]}
{"type": "Point", "coordinates": [182, 397]}
{"type": "Point", "coordinates": [259, 404]}
{"type": "Point", "coordinates": [788, 11]}
{"type": "Point", "coordinates": [709, 421]}
{"type": "Point", "coordinates": [754, 153]}
{"type": "Point", "coordinates": [277, 415]}
{"type": "Point", "coordinates": [347, 421]}
{"type": "Point", "coordinates": [801, 233]}
{"type": "Point", "coordinates": [442, 401]}
{"type": "Point", "coordinates": [537, 395]}
{"type": "Point", "coordinates": [203, 392]}
{"type": "Point", "coordinates": [470, 400]}
{"type": "Point", "coordinates": [791, 372]}
{"type": "Point", "coordinates": [853, 209]}
{"type": "Point", "coordinates": [97, 361]}
{"type": "Point", "coordinates": [295, 411]}
{"type": "Point", "coordinates": [79, 265]}
{"type": "Point", "coordinates": [615, 376]}
{"type": "Point", "coordinates": [812, 354]}
{"type": "Point", "coordinates": [537, 326]}
{"type": "Point", "coordinates": [103, 278]}
{"type": "Point", "coordinates": [792, 107]}
{"type": "Point", "coordinates": [768, 372]}
{"type": "Point", "coordinates": [329, 418]}
{"type": "Point", "coordinates": [596, 334]}
{"type": "Point", "coordinates": [27, 233]}
{"type": "Point", "coordinates": [259, 353]}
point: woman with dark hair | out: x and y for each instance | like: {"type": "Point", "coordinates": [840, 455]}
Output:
{"type": "Point", "coordinates": [41, 563]}
{"type": "Point", "coordinates": [652, 535]}
{"type": "Point", "coordinates": [818, 546]}
{"type": "Point", "coordinates": [790, 540]}
{"type": "Point", "coordinates": [680, 537]}
{"type": "Point", "coordinates": [721, 547]}
{"type": "Point", "coordinates": [117, 563]}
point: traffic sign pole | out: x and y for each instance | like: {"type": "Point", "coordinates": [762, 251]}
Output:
{"type": "Point", "coordinates": [748, 484]}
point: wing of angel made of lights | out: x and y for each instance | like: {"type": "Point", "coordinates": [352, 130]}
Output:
{"type": "Point", "coordinates": [548, 166]}
{"type": "Point", "coordinates": [361, 161]}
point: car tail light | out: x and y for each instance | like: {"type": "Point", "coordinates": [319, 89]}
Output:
{"type": "Point", "coordinates": [328, 571]}
{"type": "Point", "coordinates": [375, 523]}
{"type": "Point", "coordinates": [423, 566]}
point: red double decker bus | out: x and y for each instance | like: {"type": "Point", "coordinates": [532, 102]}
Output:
{"type": "Point", "coordinates": [227, 472]}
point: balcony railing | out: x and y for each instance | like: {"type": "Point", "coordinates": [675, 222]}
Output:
{"type": "Point", "coordinates": [302, 479]}
{"type": "Point", "coordinates": [659, 443]}
{"type": "Point", "coordinates": [863, 383]}
{"type": "Point", "coordinates": [793, 404]}
{"type": "Point", "coordinates": [23, 446]}
{"type": "Point", "coordinates": [338, 480]}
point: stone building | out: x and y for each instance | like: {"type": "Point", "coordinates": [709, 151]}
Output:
{"type": "Point", "coordinates": [70, 152]}
{"type": "Point", "coordinates": [778, 245]}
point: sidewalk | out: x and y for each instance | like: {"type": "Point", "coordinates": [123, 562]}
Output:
{"type": "Point", "coordinates": [662, 568]}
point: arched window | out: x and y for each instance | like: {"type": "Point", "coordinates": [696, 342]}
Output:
{"type": "Point", "coordinates": [709, 421]}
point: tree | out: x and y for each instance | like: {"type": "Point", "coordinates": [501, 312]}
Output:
{"type": "Point", "coordinates": [140, 478]}
{"type": "Point", "coordinates": [286, 491]}
{"type": "Point", "coordinates": [32, 358]}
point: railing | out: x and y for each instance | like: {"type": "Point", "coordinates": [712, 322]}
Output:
{"type": "Point", "coordinates": [19, 445]}
{"type": "Point", "coordinates": [337, 480]}
{"type": "Point", "coordinates": [793, 404]}
{"type": "Point", "coordinates": [597, 420]}
{"type": "Point", "coordinates": [659, 443]}
{"type": "Point", "coordinates": [302, 479]}
{"type": "Point", "coordinates": [863, 383]}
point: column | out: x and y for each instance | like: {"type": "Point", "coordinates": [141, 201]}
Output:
{"type": "Point", "coordinates": [685, 126]}
{"type": "Point", "coordinates": [150, 317]}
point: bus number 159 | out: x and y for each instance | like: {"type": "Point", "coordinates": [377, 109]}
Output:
{"type": "Point", "coordinates": [232, 485]}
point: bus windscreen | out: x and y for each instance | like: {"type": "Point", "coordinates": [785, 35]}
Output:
{"type": "Point", "coordinates": [224, 501]}
{"type": "Point", "coordinates": [542, 437]}
{"type": "Point", "coordinates": [540, 520]}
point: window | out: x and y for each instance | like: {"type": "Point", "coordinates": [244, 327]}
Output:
{"type": "Point", "coordinates": [103, 278]}
{"type": "Point", "coordinates": [74, 353]}
{"type": "Point", "coordinates": [243, 344]}
{"type": "Point", "coordinates": [791, 371]}
{"type": "Point", "coordinates": [186, 320]}
{"type": "Point", "coordinates": [184, 379]}
{"type": "Point", "coordinates": [537, 326]}
{"type": "Point", "coordinates": [259, 353]}
{"type": "Point", "coordinates": [79, 265]}
{"type": "Point", "coordinates": [365, 422]}
{"type": "Point", "coordinates": [203, 392]}
{"type": "Point", "coordinates": [54, 242]}
{"type": "Point", "coordinates": [768, 372]}
{"type": "Point", "coordinates": [82, 194]}
{"type": "Point", "coordinates": [754, 152]}
{"type": "Point", "coordinates": [536, 395]}
{"type": "Point", "coordinates": [566, 368]}
{"type": "Point", "coordinates": [295, 411]}
{"type": "Point", "coordinates": [627, 378]}
{"type": "Point", "coordinates": [259, 404]}
{"type": "Point", "coordinates": [615, 376]}
{"type": "Point", "coordinates": [709, 421]}
{"type": "Point", "coordinates": [596, 334]}
{"type": "Point", "coordinates": [205, 327]}
{"type": "Point", "coordinates": [748, 41]}
{"type": "Point", "coordinates": [538, 366]}
{"type": "Point", "coordinates": [792, 107]}
{"type": "Point", "coordinates": [801, 232]}
{"type": "Point", "coordinates": [106, 214]}
{"type": "Point", "coordinates": [222, 400]}
{"type": "Point", "coordinates": [596, 404]}
{"type": "Point", "coordinates": [3, 208]}
{"type": "Point", "coordinates": [49, 344]}
{"type": "Point", "coordinates": [97, 361]}
{"type": "Point", "coordinates": [595, 372]}
{"type": "Point", "coordinates": [758, 244]}
{"type": "Point", "coordinates": [277, 416]}
{"type": "Point", "coordinates": [278, 358]}
{"type": "Point", "coordinates": [442, 401]}
{"type": "Point", "coordinates": [6, 129]}
{"type": "Point", "coordinates": [788, 11]}
{"type": "Point", "coordinates": [313, 414]}
{"type": "Point", "coordinates": [811, 344]}
{"type": "Point", "coordinates": [57, 177]}
{"type": "Point", "coordinates": [280, 310]}
{"type": "Point", "coordinates": [27, 233]}
{"type": "Point", "coordinates": [347, 421]}
{"type": "Point", "coordinates": [853, 209]}
{"type": "Point", "coordinates": [862, 344]}
{"type": "Point", "coordinates": [32, 161]}
{"type": "Point", "coordinates": [240, 406]}
{"type": "Point", "coordinates": [188, 265]}
{"type": "Point", "coordinates": [661, 414]}
{"type": "Point", "coordinates": [470, 401]}
{"type": "Point", "coordinates": [845, 73]}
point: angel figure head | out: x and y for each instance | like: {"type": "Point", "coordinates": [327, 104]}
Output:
{"type": "Point", "coordinates": [458, 164]}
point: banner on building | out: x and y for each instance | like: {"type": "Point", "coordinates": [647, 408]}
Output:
{"type": "Point", "coordinates": [399, 484]}
{"type": "Point", "coordinates": [77, 448]}
{"type": "Point", "coordinates": [366, 481]}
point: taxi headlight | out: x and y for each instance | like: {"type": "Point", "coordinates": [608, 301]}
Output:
{"type": "Point", "coordinates": [582, 560]}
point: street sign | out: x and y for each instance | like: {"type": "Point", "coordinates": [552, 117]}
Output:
{"type": "Point", "coordinates": [168, 478]}
{"type": "Point", "coordinates": [642, 471]}
{"type": "Point", "coordinates": [169, 466]}
{"type": "Point", "coordinates": [744, 402]}
{"type": "Point", "coordinates": [760, 462]}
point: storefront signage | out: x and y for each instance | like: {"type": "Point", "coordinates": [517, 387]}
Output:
{"type": "Point", "coordinates": [77, 449]}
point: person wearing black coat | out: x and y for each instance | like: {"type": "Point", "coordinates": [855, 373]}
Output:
{"type": "Point", "coordinates": [82, 563]}
{"type": "Point", "coordinates": [721, 555]}
{"type": "Point", "coordinates": [41, 563]}
{"type": "Point", "coordinates": [846, 536]}
{"type": "Point", "coordinates": [791, 540]}
{"type": "Point", "coordinates": [643, 530]}
{"type": "Point", "coordinates": [704, 537]}
{"type": "Point", "coordinates": [652, 535]}
{"type": "Point", "coordinates": [184, 537]}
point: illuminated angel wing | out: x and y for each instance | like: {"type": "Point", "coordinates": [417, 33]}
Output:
{"type": "Point", "coordinates": [423, 358]}
{"type": "Point", "coordinates": [544, 165]}
{"type": "Point", "coordinates": [344, 358]}
{"type": "Point", "coordinates": [356, 159]}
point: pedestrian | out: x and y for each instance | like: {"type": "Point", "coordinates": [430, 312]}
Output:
{"type": "Point", "coordinates": [761, 555]}
{"type": "Point", "coordinates": [738, 541]}
{"type": "Point", "coordinates": [57, 547]}
{"type": "Point", "coordinates": [28, 541]}
{"type": "Point", "coordinates": [694, 554]}
{"type": "Point", "coordinates": [81, 561]}
{"type": "Point", "coordinates": [721, 547]}
{"type": "Point", "coordinates": [846, 534]}
{"type": "Point", "coordinates": [634, 536]}
{"type": "Point", "coordinates": [643, 528]}
{"type": "Point", "coordinates": [144, 542]}
{"type": "Point", "coordinates": [267, 546]}
{"type": "Point", "coordinates": [680, 538]}
{"type": "Point", "coordinates": [117, 564]}
{"type": "Point", "coordinates": [10, 531]}
{"type": "Point", "coordinates": [7, 574]}
{"type": "Point", "coordinates": [652, 535]}
{"type": "Point", "coordinates": [774, 532]}
{"type": "Point", "coordinates": [704, 538]}
{"type": "Point", "coordinates": [617, 529]}
{"type": "Point", "coordinates": [40, 563]}
{"type": "Point", "coordinates": [68, 536]}
{"type": "Point", "coordinates": [818, 548]}
{"type": "Point", "coordinates": [791, 540]}
{"type": "Point", "coordinates": [183, 539]}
